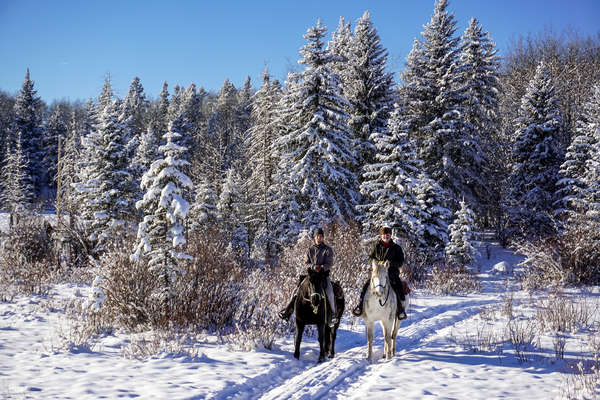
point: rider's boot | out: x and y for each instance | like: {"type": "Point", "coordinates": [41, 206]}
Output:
{"type": "Point", "coordinates": [286, 313]}
{"type": "Point", "coordinates": [332, 318]}
{"type": "Point", "coordinates": [357, 311]}
{"type": "Point", "coordinates": [400, 312]}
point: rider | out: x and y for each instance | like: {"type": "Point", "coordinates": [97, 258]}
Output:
{"type": "Point", "coordinates": [386, 250]}
{"type": "Point", "coordinates": [319, 257]}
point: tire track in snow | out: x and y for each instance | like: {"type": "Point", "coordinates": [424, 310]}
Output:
{"type": "Point", "coordinates": [304, 380]}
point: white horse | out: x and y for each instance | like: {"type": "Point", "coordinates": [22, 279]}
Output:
{"type": "Point", "coordinates": [380, 305]}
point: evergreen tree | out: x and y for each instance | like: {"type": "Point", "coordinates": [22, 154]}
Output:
{"type": "Point", "coordinates": [340, 46]}
{"type": "Point", "coordinates": [231, 215]}
{"type": "Point", "coordinates": [368, 88]}
{"type": "Point", "coordinates": [262, 165]}
{"type": "Point", "coordinates": [575, 185]}
{"type": "Point", "coordinates": [318, 148]}
{"type": "Point", "coordinates": [88, 167]}
{"type": "Point", "coordinates": [203, 212]}
{"type": "Point", "coordinates": [478, 82]}
{"type": "Point", "coordinates": [68, 174]}
{"type": "Point", "coordinates": [535, 159]}
{"type": "Point", "coordinates": [17, 190]}
{"type": "Point", "coordinates": [113, 206]}
{"type": "Point", "coordinates": [459, 250]}
{"type": "Point", "coordinates": [433, 112]}
{"type": "Point", "coordinates": [161, 232]}
{"type": "Point", "coordinates": [106, 97]}
{"type": "Point", "coordinates": [56, 127]}
{"type": "Point", "coordinates": [28, 125]}
{"type": "Point", "coordinates": [435, 216]}
{"type": "Point", "coordinates": [592, 176]}
{"type": "Point", "coordinates": [161, 121]}
{"type": "Point", "coordinates": [390, 184]}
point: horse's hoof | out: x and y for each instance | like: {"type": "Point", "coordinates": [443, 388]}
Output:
{"type": "Point", "coordinates": [330, 355]}
{"type": "Point", "coordinates": [321, 359]}
{"type": "Point", "coordinates": [296, 356]}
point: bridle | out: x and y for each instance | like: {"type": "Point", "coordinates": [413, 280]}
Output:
{"type": "Point", "coordinates": [383, 287]}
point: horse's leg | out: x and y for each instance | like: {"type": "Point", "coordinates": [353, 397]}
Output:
{"type": "Point", "coordinates": [299, 331]}
{"type": "Point", "coordinates": [397, 323]}
{"type": "Point", "coordinates": [321, 331]}
{"type": "Point", "coordinates": [369, 329]}
{"type": "Point", "coordinates": [385, 326]}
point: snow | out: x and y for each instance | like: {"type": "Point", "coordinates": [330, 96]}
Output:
{"type": "Point", "coordinates": [42, 356]}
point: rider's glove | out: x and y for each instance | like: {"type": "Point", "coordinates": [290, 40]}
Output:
{"type": "Point", "coordinates": [318, 268]}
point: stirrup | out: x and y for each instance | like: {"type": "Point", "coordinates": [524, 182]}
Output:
{"type": "Point", "coordinates": [402, 315]}
{"type": "Point", "coordinates": [357, 312]}
{"type": "Point", "coordinates": [284, 314]}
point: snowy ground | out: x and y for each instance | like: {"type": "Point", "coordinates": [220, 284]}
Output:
{"type": "Point", "coordinates": [438, 356]}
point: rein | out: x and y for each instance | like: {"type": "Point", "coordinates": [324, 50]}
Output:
{"type": "Point", "coordinates": [320, 297]}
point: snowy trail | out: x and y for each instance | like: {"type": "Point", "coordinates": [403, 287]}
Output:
{"type": "Point", "coordinates": [305, 380]}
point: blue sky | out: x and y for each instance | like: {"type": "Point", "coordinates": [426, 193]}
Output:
{"type": "Point", "coordinates": [70, 45]}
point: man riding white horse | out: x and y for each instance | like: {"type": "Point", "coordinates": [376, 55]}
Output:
{"type": "Point", "coordinates": [386, 250]}
{"type": "Point", "coordinates": [319, 257]}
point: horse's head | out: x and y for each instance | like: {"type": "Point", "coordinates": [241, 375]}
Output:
{"type": "Point", "coordinates": [379, 276]}
{"type": "Point", "coordinates": [317, 284]}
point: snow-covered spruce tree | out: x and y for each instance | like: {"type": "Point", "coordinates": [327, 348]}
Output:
{"type": "Point", "coordinates": [160, 121]}
{"type": "Point", "coordinates": [146, 152]}
{"type": "Point", "coordinates": [368, 87]}
{"type": "Point", "coordinates": [592, 176]}
{"type": "Point", "coordinates": [318, 149]}
{"type": "Point", "coordinates": [203, 211]}
{"type": "Point", "coordinates": [134, 110]}
{"type": "Point", "coordinates": [17, 189]}
{"type": "Point", "coordinates": [433, 113]}
{"type": "Point", "coordinates": [577, 182]}
{"type": "Point", "coordinates": [106, 96]}
{"type": "Point", "coordinates": [478, 82]}
{"type": "Point", "coordinates": [262, 163]}
{"type": "Point", "coordinates": [340, 46]}
{"type": "Point", "coordinates": [161, 232]}
{"type": "Point", "coordinates": [220, 135]}
{"type": "Point", "coordinates": [56, 127]}
{"type": "Point", "coordinates": [390, 184]}
{"type": "Point", "coordinates": [231, 216]}
{"type": "Point", "coordinates": [28, 124]}
{"type": "Point", "coordinates": [286, 210]}
{"type": "Point", "coordinates": [88, 167]}
{"type": "Point", "coordinates": [68, 173]}
{"type": "Point", "coordinates": [459, 250]}
{"type": "Point", "coordinates": [113, 206]}
{"type": "Point", "coordinates": [432, 199]}
{"type": "Point", "coordinates": [535, 159]}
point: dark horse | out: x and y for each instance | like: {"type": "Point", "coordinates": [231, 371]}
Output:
{"type": "Point", "coordinates": [310, 309]}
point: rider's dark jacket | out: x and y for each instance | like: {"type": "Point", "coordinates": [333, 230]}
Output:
{"type": "Point", "coordinates": [320, 254]}
{"type": "Point", "coordinates": [392, 253]}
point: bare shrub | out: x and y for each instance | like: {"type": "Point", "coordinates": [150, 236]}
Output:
{"type": "Point", "coordinates": [508, 305]}
{"type": "Point", "coordinates": [161, 341]}
{"type": "Point", "coordinates": [257, 323]}
{"type": "Point", "coordinates": [445, 280]}
{"type": "Point", "coordinates": [522, 335]}
{"type": "Point", "coordinates": [128, 286]}
{"type": "Point", "coordinates": [571, 257]}
{"type": "Point", "coordinates": [209, 292]}
{"type": "Point", "coordinates": [73, 247]}
{"type": "Point", "coordinates": [560, 313]}
{"type": "Point", "coordinates": [483, 339]}
{"type": "Point", "coordinates": [27, 259]}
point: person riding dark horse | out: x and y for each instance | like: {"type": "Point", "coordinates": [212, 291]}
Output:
{"type": "Point", "coordinates": [320, 258]}
{"type": "Point", "coordinates": [386, 250]}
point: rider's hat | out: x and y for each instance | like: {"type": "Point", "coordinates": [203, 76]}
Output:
{"type": "Point", "coordinates": [385, 229]}
{"type": "Point", "coordinates": [318, 231]}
